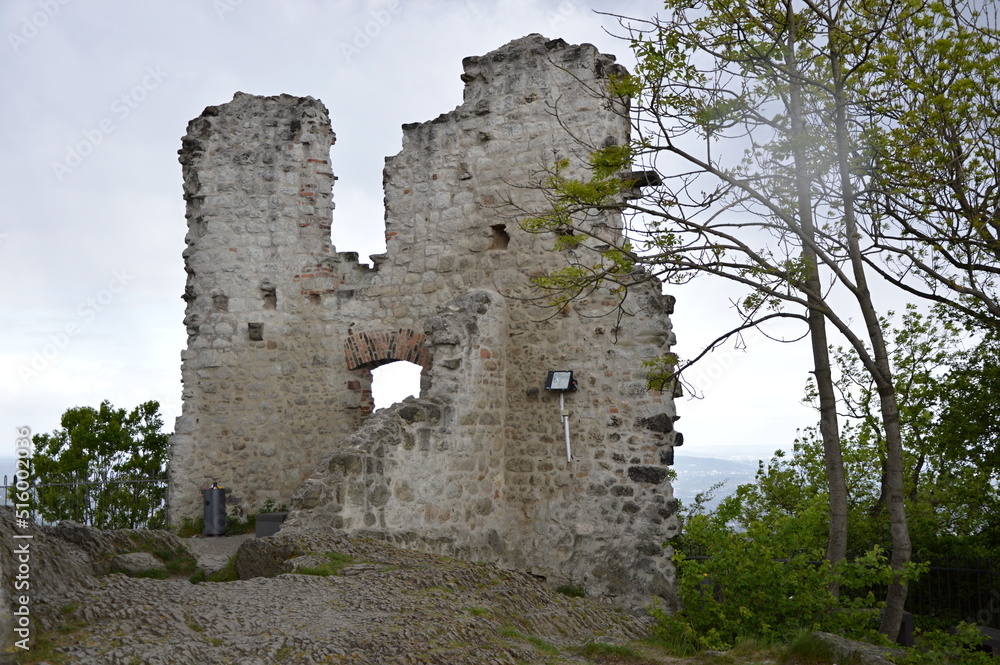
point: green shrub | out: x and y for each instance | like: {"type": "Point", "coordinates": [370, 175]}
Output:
{"type": "Point", "coordinates": [752, 584]}
{"type": "Point", "coordinates": [679, 636]}
{"type": "Point", "coordinates": [571, 590]}
{"type": "Point", "coordinates": [940, 647]}
{"type": "Point", "coordinates": [191, 527]}
{"type": "Point", "coordinates": [807, 649]}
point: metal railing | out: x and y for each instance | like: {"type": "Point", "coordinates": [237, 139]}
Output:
{"type": "Point", "coordinates": [132, 503]}
{"type": "Point", "coordinates": [958, 588]}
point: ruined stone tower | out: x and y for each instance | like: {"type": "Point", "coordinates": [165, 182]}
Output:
{"type": "Point", "coordinates": [284, 332]}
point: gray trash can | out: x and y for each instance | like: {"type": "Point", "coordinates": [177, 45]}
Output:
{"type": "Point", "coordinates": [215, 510]}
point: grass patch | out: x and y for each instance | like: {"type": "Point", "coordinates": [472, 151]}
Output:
{"type": "Point", "coordinates": [336, 563]}
{"type": "Point", "coordinates": [540, 644]}
{"type": "Point", "coordinates": [612, 653]}
{"type": "Point", "coordinates": [807, 649]}
{"type": "Point", "coordinates": [478, 611]}
{"type": "Point", "coordinates": [178, 562]}
{"type": "Point", "coordinates": [226, 574]}
{"type": "Point", "coordinates": [43, 650]}
{"type": "Point", "coordinates": [571, 590]}
{"type": "Point", "coordinates": [235, 526]}
{"type": "Point", "coordinates": [190, 528]}
{"type": "Point", "coordinates": [151, 574]}
{"type": "Point", "coordinates": [680, 641]}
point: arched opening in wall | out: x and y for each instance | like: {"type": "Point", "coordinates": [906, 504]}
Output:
{"type": "Point", "coordinates": [500, 238]}
{"type": "Point", "coordinates": [394, 382]}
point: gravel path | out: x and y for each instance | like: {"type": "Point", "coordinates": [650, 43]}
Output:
{"type": "Point", "coordinates": [394, 606]}
{"type": "Point", "coordinates": [214, 553]}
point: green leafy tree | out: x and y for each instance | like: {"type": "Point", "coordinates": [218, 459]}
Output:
{"type": "Point", "coordinates": [104, 467]}
{"type": "Point", "coordinates": [754, 566]}
{"type": "Point", "coordinates": [931, 165]}
{"type": "Point", "coordinates": [765, 127]}
{"type": "Point", "coordinates": [945, 381]}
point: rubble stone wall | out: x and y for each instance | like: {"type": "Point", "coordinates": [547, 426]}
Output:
{"type": "Point", "coordinates": [284, 332]}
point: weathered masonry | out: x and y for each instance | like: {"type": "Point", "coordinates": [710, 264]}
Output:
{"type": "Point", "coordinates": [283, 332]}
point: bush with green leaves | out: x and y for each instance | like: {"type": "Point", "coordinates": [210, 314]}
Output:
{"type": "Point", "coordinates": [761, 584]}
{"type": "Point", "coordinates": [105, 467]}
{"type": "Point", "coordinates": [941, 647]}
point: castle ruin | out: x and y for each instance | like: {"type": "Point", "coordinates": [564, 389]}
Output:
{"type": "Point", "coordinates": [284, 331]}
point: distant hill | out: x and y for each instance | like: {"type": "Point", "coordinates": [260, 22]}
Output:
{"type": "Point", "coordinates": [697, 474]}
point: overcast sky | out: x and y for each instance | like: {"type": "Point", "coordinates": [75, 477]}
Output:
{"type": "Point", "coordinates": [96, 97]}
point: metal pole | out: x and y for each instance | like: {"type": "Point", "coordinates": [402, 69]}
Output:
{"type": "Point", "coordinates": [565, 419]}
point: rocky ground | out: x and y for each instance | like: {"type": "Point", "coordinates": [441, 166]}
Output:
{"type": "Point", "coordinates": [385, 606]}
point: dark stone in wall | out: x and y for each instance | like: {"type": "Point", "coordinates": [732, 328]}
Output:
{"type": "Point", "coordinates": [659, 423]}
{"type": "Point", "coordinates": [647, 474]}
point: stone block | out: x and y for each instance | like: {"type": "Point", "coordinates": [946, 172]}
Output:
{"type": "Point", "coordinates": [647, 474]}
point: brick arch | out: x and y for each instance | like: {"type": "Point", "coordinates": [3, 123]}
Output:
{"type": "Point", "coordinates": [371, 348]}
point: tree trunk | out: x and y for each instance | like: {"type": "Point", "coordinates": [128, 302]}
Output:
{"type": "Point", "coordinates": [829, 427]}
{"type": "Point", "coordinates": [880, 368]}
{"type": "Point", "coordinates": [892, 616]}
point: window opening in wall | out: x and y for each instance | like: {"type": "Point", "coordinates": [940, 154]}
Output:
{"type": "Point", "coordinates": [270, 298]}
{"type": "Point", "coordinates": [500, 237]}
{"type": "Point", "coordinates": [394, 382]}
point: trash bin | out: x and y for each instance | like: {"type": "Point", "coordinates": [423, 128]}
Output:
{"type": "Point", "coordinates": [215, 510]}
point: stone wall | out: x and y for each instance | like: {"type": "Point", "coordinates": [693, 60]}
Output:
{"type": "Point", "coordinates": [284, 332]}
